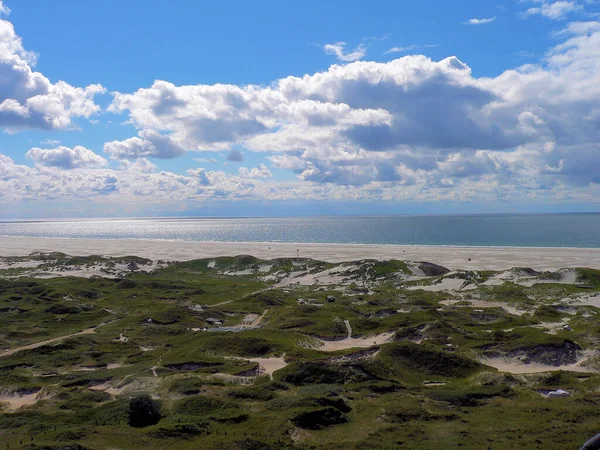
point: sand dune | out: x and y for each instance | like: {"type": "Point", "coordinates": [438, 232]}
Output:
{"type": "Point", "coordinates": [472, 258]}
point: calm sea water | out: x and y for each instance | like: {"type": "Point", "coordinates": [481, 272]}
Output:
{"type": "Point", "coordinates": [542, 230]}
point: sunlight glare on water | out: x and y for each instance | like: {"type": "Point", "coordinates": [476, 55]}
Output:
{"type": "Point", "coordinates": [557, 230]}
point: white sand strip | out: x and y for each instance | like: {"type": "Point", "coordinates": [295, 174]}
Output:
{"type": "Point", "coordinates": [349, 342]}
{"type": "Point", "coordinates": [471, 258]}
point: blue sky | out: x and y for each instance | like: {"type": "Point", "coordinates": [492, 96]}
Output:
{"type": "Point", "coordinates": [264, 108]}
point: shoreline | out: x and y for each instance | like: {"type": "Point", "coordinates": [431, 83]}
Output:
{"type": "Point", "coordinates": [453, 257]}
{"type": "Point", "coordinates": [354, 244]}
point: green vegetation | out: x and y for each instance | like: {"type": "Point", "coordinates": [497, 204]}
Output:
{"type": "Point", "coordinates": [128, 356]}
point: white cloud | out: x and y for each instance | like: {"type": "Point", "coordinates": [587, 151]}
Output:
{"type": "Point", "coordinates": [481, 21]}
{"type": "Point", "coordinates": [28, 99]}
{"type": "Point", "coordinates": [338, 50]}
{"type": "Point", "coordinates": [403, 49]}
{"type": "Point", "coordinates": [150, 143]}
{"type": "Point", "coordinates": [4, 10]}
{"type": "Point", "coordinates": [199, 117]}
{"type": "Point", "coordinates": [261, 171]}
{"type": "Point", "coordinates": [141, 165]}
{"type": "Point", "coordinates": [553, 10]}
{"type": "Point", "coordinates": [66, 158]}
{"type": "Point", "coordinates": [580, 28]}
{"type": "Point", "coordinates": [408, 124]}
{"type": "Point", "coordinates": [51, 142]}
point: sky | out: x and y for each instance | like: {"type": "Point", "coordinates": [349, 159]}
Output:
{"type": "Point", "coordinates": [237, 108]}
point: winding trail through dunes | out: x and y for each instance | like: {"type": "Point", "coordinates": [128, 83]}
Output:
{"type": "Point", "coordinates": [349, 328]}
{"type": "Point", "coordinates": [12, 351]}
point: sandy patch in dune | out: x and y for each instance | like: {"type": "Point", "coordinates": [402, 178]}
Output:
{"type": "Point", "coordinates": [6, 264]}
{"type": "Point", "coordinates": [142, 384]}
{"type": "Point", "coordinates": [239, 272]}
{"type": "Point", "coordinates": [16, 401]}
{"type": "Point", "coordinates": [265, 268]}
{"type": "Point", "coordinates": [348, 343]}
{"type": "Point", "coordinates": [493, 282]}
{"type": "Point", "coordinates": [483, 305]}
{"type": "Point", "coordinates": [269, 365]}
{"type": "Point", "coordinates": [592, 299]}
{"type": "Point", "coordinates": [446, 284]}
{"type": "Point", "coordinates": [515, 366]}
{"type": "Point", "coordinates": [522, 278]}
{"type": "Point", "coordinates": [337, 276]}
{"type": "Point", "coordinates": [552, 327]}
{"type": "Point", "coordinates": [51, 268]}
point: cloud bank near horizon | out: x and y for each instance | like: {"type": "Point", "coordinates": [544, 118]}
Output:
{"type": "Point", "coordinates": [410, 128]}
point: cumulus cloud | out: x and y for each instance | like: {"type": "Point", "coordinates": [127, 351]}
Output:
{"type": "Point", "coordinates": [261, 171]}
{"type": "Point", "coordinates": [141, 165]}
{"type": "Point", "coordinates": [339, 51]}
{"type": "Point", "coordinates": [148, 143]}
{"type": "Point", "coordinates": [553, 10]}
{"type": "Point", "coordinates": [408, 123]}
{"type": "Point", "coordinates": [66, 158]}
{"type": "Point", "coordinates": [28, 99]}
{"type": "Point", "coordinates": [482, 21]}
{"type": "Point", "coordinates": [198, 117]}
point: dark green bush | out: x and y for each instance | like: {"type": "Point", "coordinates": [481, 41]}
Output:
{"type": "Point", "coordinates": [319, 418]}
{"type": "Point", "coordinates": [255, 393]}
{"type": "Point", "coordinates": [144, 411]}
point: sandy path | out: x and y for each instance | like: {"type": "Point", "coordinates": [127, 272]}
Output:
{"type": "Point", "coordinates": [349, 328]}
{"type": "Point", "coordinates": [493, 258]}
{"type": "Point", "coordinates": [259, 319]}
{"type": "Point", "coordinates": [12, 351]}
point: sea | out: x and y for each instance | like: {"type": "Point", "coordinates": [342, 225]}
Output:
{"type": "Point", "coordinates": [520, 230]}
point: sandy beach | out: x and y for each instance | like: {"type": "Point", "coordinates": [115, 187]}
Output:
{"type": "Point", "coordinates": [480, 258]}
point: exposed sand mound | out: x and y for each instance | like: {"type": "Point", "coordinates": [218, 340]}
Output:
{"type": "Point", "coordinates": [269, 365]}
{"type": "Point", "coordinates": [345, 344]}
{"type": "Point", "coordinates": [350, 342]}
{"type": "Point", "coordinates": [446, 284]}
{"type": "Point", "coordinates": [14, 400]}
{"type": "Point", "coordinates": [481, 304]}
{"type": "Point", "coordinates": [514, 365]}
